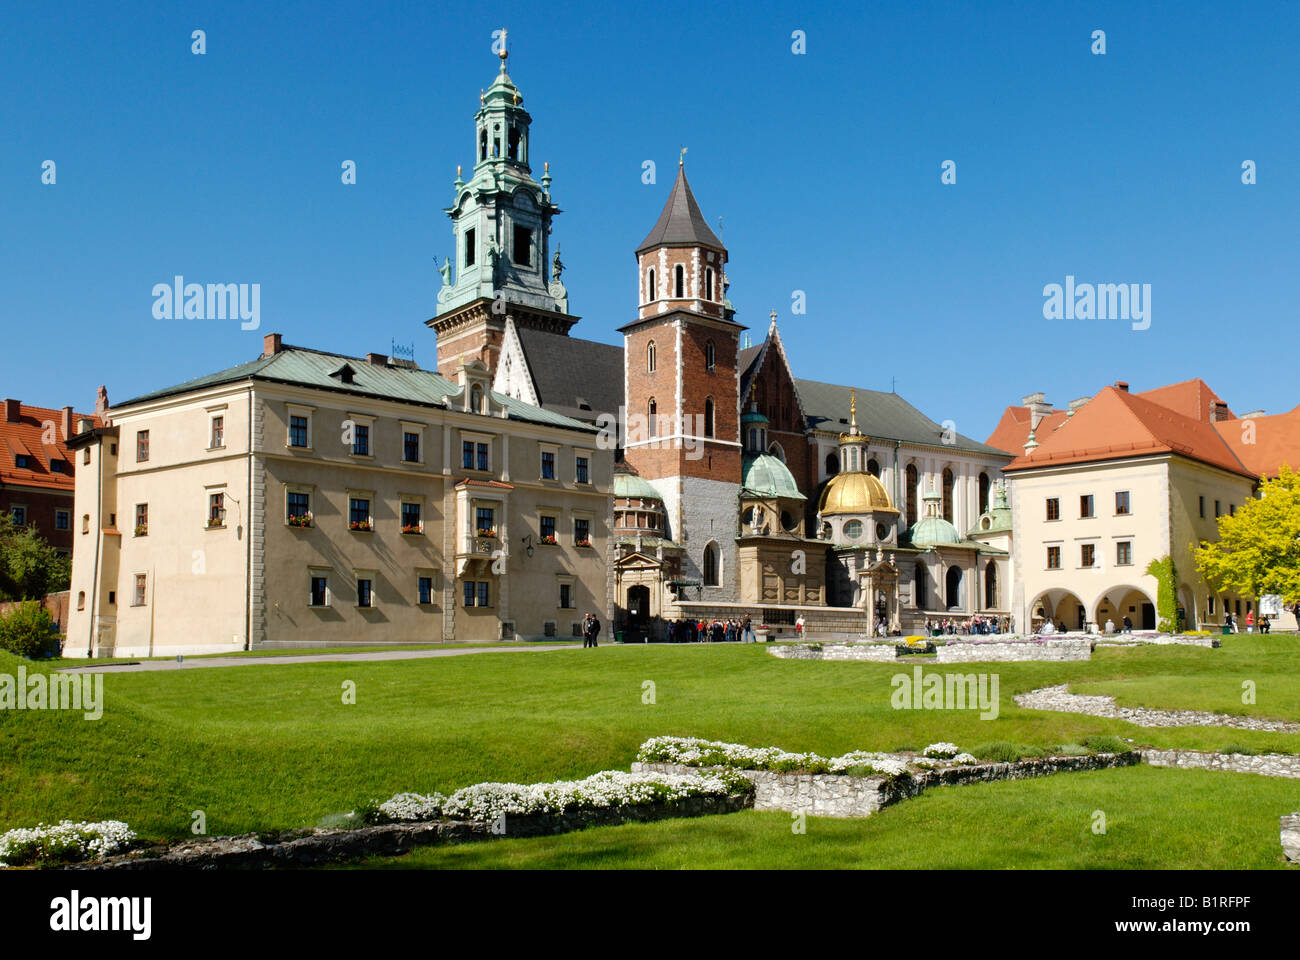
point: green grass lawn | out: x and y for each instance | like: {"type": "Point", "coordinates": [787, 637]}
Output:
{"type": "Point", "coordinates": [316, 651]}
{"type": "Point", "coordinates": [259, 749]}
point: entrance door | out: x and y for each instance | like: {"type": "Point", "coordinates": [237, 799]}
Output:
{"type": "Point", "coordinates": [638, 606]}
{"type": "Point", "coordinates": [1148, 617]}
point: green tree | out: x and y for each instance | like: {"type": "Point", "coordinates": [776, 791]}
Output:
{"type": "Point", "coordinates": [1258, 551]}
{"type": "Point", "coordinates": [29, 567]}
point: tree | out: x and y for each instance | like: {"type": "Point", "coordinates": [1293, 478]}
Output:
{"type": "Point", "coordinates": [29, 567]}
{"type": "Point", "coordinates": [1258, 551]}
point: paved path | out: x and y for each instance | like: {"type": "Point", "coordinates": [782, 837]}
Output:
{"type": "Point", "coordinates": [194, 663]}
{"type": "Point", "coordinates": [1059, 698]}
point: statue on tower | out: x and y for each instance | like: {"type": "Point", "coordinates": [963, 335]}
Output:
{"type": "Point", "coordinates": [445, 270]}
{"type": "Point", "coordinates": [557, 266]}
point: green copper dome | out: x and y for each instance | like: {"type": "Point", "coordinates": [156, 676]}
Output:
{"type": "Point", "coordinates": [764, 475]}
{"type": "Point", "coordinates": [997, 519]}
{"type": "Point", "coordinates": [930, 530]}
{"type": "Point", "coordinates": [630, 486]}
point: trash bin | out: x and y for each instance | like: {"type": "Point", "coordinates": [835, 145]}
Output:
{"type": "Point", "coordinates": [618, 636]}
{"type": "Point", "coordinates": [1226, 631]}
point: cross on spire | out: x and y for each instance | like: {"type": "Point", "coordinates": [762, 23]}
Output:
{"type": "Point", "coordinates": [681, 157]}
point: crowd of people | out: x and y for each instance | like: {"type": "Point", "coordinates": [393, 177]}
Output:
{"type": "Point", "coordinates": [711, 631]}
{"type": "Point", "coordinates": [969, 626]}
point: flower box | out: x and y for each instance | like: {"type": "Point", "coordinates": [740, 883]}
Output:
{"type": "Point", "coordinates": [142, 531]}
{"type": "Point", "coordinates": [548, 541]}
{"type": "Point", "coordinates": [412, 530]}
{"type": "Point", "coordinates": [487, 533]}
{"type": "Point", "coordinates": [361, 526]}
{"type": "Point", "coordinates": [583, 543]}
{"type": "Point", "coordinates": [301, 520]}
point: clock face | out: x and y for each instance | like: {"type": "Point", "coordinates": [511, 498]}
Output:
{"type": "Point", "coordinates": [882, 532]}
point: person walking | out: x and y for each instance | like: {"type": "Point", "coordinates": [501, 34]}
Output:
{"type": "Point", "coordinates": [798, 626]}
{"type": "Point", "coordinates": [595, 629]}
{"type": "Point", "coordinates": [747, 629]}
{"type": "Point", "coordinates": [586, 631]}
{"type": "Point", "coordinates": [1250, 621]}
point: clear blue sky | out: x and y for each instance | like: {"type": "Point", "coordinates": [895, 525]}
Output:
{"type": "Point", "coordinates": [825, 170]}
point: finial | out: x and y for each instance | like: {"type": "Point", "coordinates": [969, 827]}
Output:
{"type": "Point", "coordinates": [504, 53]}
{"type": "Point", "coordinates": [458, 171]}
{"type": "Point", "coordinates": [681, 158]}
{"type": "Point", "coordinates": [773, 316]}
{"type": "Point", "coordinates": [546, 167]}
{"type": "Point", "coordinates": [481, 97]}
{"type": "Point", "coordinates": [853, 406]}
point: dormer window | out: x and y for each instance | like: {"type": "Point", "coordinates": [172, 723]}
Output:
{"type": "Point", "coordinates": [344, 373]}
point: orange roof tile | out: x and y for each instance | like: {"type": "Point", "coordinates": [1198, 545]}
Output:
{"type": "Point", "coordinates": [1116, 424]}
{"type": "Point", "coordinates": [25, 438]}
{"type": "Point", "coordinates": [1192, 398]}
{"type": "Point", "coordinates": [1013, 429]}
{"type": "Point", "coordinates": [1263, 444]}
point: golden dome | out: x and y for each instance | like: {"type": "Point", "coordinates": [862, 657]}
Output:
{"type": "Point", "coordinates": [854, 493]}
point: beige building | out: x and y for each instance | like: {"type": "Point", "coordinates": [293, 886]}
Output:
{"type": "Point", "coordinates": [308, 498]}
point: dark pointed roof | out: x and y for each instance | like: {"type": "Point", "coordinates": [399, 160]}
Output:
{"type": "Point", "coordinates": [681, 222]}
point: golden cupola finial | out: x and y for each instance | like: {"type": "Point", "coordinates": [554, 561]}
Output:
{"type": "Point", "coordinates": [854, 435]}
{"type": "Point", "coordinates": [503, 53]}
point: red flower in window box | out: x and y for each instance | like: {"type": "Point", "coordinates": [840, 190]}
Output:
{"type": "Point", "coordinates": [487, 532]}
{"type": "Point", "coordinates": [301, 520]}
{"type": "Point", "coordinates": [549, 541]}
{"type": "Point", "coordinates": [363, 526]}
{"type": "Point", "coordinates": [413, 528]}
{"type": "Point", "coordinates": [586, 542]}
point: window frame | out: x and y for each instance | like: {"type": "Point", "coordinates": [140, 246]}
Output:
{"type": "Point", "coordinates": [1127, 510]}
{"type": "Point", "coordinates": [1053, 507]}
{"type": "Point", "coordinates": [142, 446]}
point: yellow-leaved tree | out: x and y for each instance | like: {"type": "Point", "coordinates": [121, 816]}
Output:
{"type": "Point", "coordinates": [1258, 551]}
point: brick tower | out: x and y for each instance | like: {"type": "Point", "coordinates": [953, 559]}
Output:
{"type": "Point", "coordinates": [682, 386]}
{"type": "Point", "coordinates": [501, 220]}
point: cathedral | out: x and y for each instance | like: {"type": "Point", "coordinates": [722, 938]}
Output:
{"type": "Point", "coordinates": [739, 488]}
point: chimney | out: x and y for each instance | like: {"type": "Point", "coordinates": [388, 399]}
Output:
{"type": "Point", "coordinates": [85, 425]}
{"type": "Point", "coordinates": [1038, 408]}
{"type": "Point", "coordinates": [101, 404]}
{"type": "Point", "coordinates": [271, 345]}
{"type": "Point", "coordinates": [1253, 414]}
{"type": "Point", "coordinates": [378, 359]}
{"type": "Point", "coordinates": [1121, 386]}
{"type": "Point", "coordinates": [1219, 411]}
{"type": "Point", "coordinates": [67, 424]}
{"type": "Point", "coordinates": [13, 410]}
{"type": "Point", "coordinates": [1077, 404]}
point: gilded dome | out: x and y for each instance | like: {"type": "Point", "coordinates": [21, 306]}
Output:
{"type": "Point", "coordinates": [764, 475]}
{"type": "Point", "coordinates": [854, 493]}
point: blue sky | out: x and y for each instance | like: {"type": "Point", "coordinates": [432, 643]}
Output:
{"type": "Point", "coordinates": [824, 169]}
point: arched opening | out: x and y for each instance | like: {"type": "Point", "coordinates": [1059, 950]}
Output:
{"type": "Point", "coordinates": [776, 450]}
{"type": "Point", "coordinates": [873, 467]}
{"type": "Point", "coordinates": [708, 284]}
{"type": "Point", "coordinates": [984, 492]}
{"type": "Point", "coordinates": [920, 578]}
{"type": "Point", "coordinates": [650, 357]}
{"type": "Point", "coordinates": [651, 416]}
{"type": "Point", "coordinates": [482, 144]}
{"type": "Point", "coordinates": [476, 400]}
{"type": "Point", "coordinates": [947, 494]}
{"type": "Point", "coordinates": [953, 582]}
{"type": "Point", "coordinates": [832, 464]}
{"type": "Point", "coordinates": [711, 565]}
{"type": "Point", "coordinates": [679, 282]}
{"type": "Point", "coordinates": [708, 417]}
{"type": "Point", "coordinates": [651, 292]}
{"type": "Point", "coordinates": [1125, 601]}
{"type": "Point", "coordinates": [991, 585]}
{"type": "Point", "coordinates": [512, 144]}
{"type": "Point", "coordinates": [638, 606]}
{"type": "Point", "coordinates": [1065, 609]}
{"type": "Point", "coordinates": [913, 480]}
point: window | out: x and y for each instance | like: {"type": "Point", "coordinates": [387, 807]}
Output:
{"type": "Point", "coordinates": [360, 440]}
{"type": "Point", "coordinates": [711, 565]}
{"type": "Point", "coordinates": [1209, 605]}
{"type": "Point", "coordinates": [853, 529]}
{"type": "Point", "coordinates": [1085, 506]}
{"type": "Point", "coordinates": [485, 521]}
{"type": "Point", "coordinates": [1121, 502]}
{"type": "Point", "coordinates": [1217, 511]}
{"type": "Point", "coordinates": [320, 590]}
{"type": "Point", "coordinates": [141, 446]}
{"type": "Point", "coordinates": [112, 598]}
{"type": "Point", "coordinates": [581, 470]}
{"type": "Point", "coordinates": [81, 600]}
{"type": "Point", "coordinates": [426, 590]}
{"type": "Point", "coordinates": [1232, 509]}
{"type": "Point", "coordinates": [650, 357]}
{"type": "Point", "coordinates": [411, 518]}
{"type": "Point", "coordinates": [484, 593]}
{"type": "Point", "coordinates": [141, 584]}
{"type": "Point", "coordinates": [651, 293]}
{"type": "Point", "coordinates": [873, 467]}
{"type": "Point", "coordinates": [1124, 553]}
{"type": "Point", "coordinates": [1087, 554]}
{"type": "Point", "coordinates": [1053, 558]}
{"type": "Point", "coordinates": [710, 353]}
{"type": "Point", "coordinates": [548, 464]}
{"type": "Point", "coordinates": [297, 431]}
{"type": "Point", "coordinates": [22, 460]}
{"type": "Point", "coordinates": [19, 515]}
{"type": "Point", "coordinates": [948, 481]}
{"type": "Point", "coordinates": [85, 455]}
{"type": "Point", "coordinates": [546, 529]}
{"type": "Point", "coordinates": [142, 519]}
{"type": "Point", "coordinates": [652, 416]}
{"type": "Point", "coordinates": [708, 284]}
{"type": "Point", "coordinates": [216, 510]}
{"type": "Point", "coordinates": [1202, 499]}
{"type": "Point", "coordinates": [708, 417]}
{"type": "Point", "coordinates": [359, 514]}
{"type": "Point", "coordinates": [62, 520]}
{"type": "Point", "coordinates": [566, 596]}
{"type": "Point", "coordinates": [297, 508]}
{"type": "Point", "coordinates": [483, 462]}
{"type": "Point", "coordinates": [469, 593]}
{"type": "Point", "coordinates": [679, 282]}
{"type": "Point", "coordinates": [365, 592]}
{"type": "Point", "coordinates": [469, 234]}
{"type": "Point", "coordinates": [1053, 508]}
{"type": "Point", "coordinates": [913, 481]}
{"type": "Point", "coordinates": [984, 496]}
{"type": "Point", "coordinates": [59, 466]}
{"type": "Point", "coordinates": [218, 432]}
{"type": "Point", "coordinates": [582, 532]}
{"type": "Point", "coordinates": [467, 455]}
{"type": "Point", "coordinates": [523, 250]}
{"type": "Point", "coordinates": [410, 446]}
{"type": "Point", "coordinates": [832, 464]}
{"type": "Point", "coordinates": [85, 523]}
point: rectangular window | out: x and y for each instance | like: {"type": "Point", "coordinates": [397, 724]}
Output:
{"type": "Point", "coordinates": [1209, 605]}
{"type": "Point", "coordinates": [140, 587]}
{"type": "Point", "coordinates": [1087, 554]}
{"type": "Point", "coordinates": [1054, 509]}
{"type": "Point", "coordinates": [1085, 506]}
{"type": "Point", "coordinates": [485, 522]}
{"type": "Point", "coordinates": [19, 515]}
{"type": "Point", "coordinates": [411, 518]}
{"type": "Point", "coordinates": [85, 455]}
{"type": "Point", "coordinates": [484, 593]}
{"type": "Point", "coordinates": [360, 440]}
{"type": "Point", "coordinates": [62, 520]}
{"type": "Point", "coordinates": [218, 432]}
{"type": "Point", "coordinates": [1053, 558]}
{"type": "Point", "coordinates": [320, 586]}
{"type": "Point", "coordinates": [217, 510]}
{"type": "Point", "coordinates": [1121, 502]}
{"type": "Point", "coordinates": [1217, 511]}
{"type": "Point", "coordinates": [547, 529]}
{"type": "Point", "coordinates": [1124, 553]}
{"type": "Point", "coordinates": [566, 596]}
{"type": "Point", "coordinates": [470, 248]}
{"type": "Point", "coordinates": [142, 519]}
{"type": "Point", "coordinates": [469, 593]}
{"type": "Point", "coordinates": [141, 446]}
{"type": "Point", "coordinates": [467, 455]}
{"type": "Point", "coordinates": [297, 431]}
{"type": "Point", "coordinates": [1232, 509]}
{"type": "Point", "coordinates": [358, 513]}
{"type": "Point", "coordinates": [56, 466]}
{"type": "Point", "coordinates": [426, 590]}
{"type": "Point", "coordinates": [582, 471]}
{"type": "Point", "coordinates": [1202, 499]}
{"type": "Point", "coordinates": [298, 508]}
{"type": "Point", "coordinates": [22, 460]}
{"type": "Point", "coordinates": [523, 246]}
{"type": "Point", "coordinates": [548, 465]}
{"type": "Point", "coordinates": [410, 447]}
{"type": "Point", "coordinates": [483, 463]}
{"type": "Point", "coordinates": [582, 531]}
{"type": "Point", "coordinates": [365, 592]}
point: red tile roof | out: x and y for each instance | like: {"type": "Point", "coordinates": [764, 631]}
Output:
{"type": "Point", "coordinates": [1013, 429]}
{"type": "Point", "coordinates": [1116, 424]}
{"type": "Point", "coordinates": [25, 438]}
{"type": "Point", "coordinates": [1263, 444]}
{"type": "Point", "coordinates": [1192, 398]}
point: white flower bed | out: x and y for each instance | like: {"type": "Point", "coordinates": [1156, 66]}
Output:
{"type": "Point", "coordinates": [694, 752]}
{"type": "Point", "coordinates": [942, 751]}
{"type": "Point", "coordinates": [609, 789]}
{"type": "Point", "coordinates": [64, 842]}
